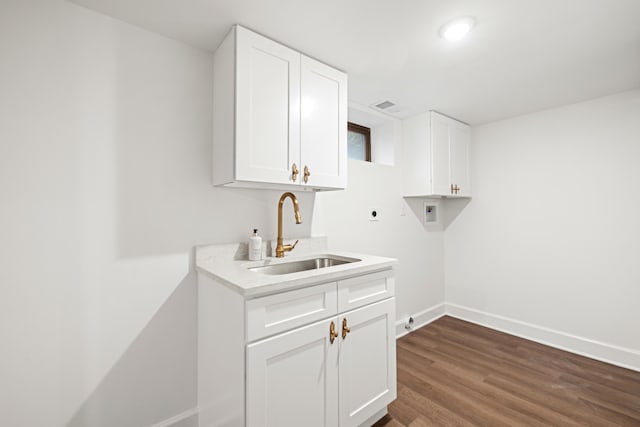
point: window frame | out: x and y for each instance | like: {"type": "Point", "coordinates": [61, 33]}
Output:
{"type": "Point", "coordinates": [366, 132]}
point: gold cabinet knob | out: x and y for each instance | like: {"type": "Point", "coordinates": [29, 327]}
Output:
{"type": "Point", "coordinates": [345, 328]}
{"type": "Point", "coordinates": [306, 174]}
{"type": "Point", "coordinates": [332, 332]}
{"type": "Point", "coordinates": [294, 172]}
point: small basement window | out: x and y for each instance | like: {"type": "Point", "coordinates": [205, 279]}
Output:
{"type": "Point", "coordinates": [359, 142]}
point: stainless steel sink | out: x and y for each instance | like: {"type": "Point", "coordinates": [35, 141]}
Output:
{"type": "Point", "coordinates": [302, 265]}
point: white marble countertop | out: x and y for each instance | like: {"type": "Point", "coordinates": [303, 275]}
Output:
{"type": "Point", "coordinates": [229, 265]}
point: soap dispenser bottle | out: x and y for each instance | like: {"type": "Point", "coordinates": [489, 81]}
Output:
{"type": "Point", "coordinates": [255, 246]}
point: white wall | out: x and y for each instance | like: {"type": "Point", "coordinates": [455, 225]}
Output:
{"type": "Point", "coordinates": [382, 144]}
{"type": "Point", "coordinates": [552, 236]}
{"type": "Point", "coordinates": [399, 231]}
{"type": "Point", "coordinates": [105, 148]}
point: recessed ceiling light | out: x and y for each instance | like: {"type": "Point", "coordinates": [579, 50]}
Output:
{"type": "Point", "coordinates": [457, 29]}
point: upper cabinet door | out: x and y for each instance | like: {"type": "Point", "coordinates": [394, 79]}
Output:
{"type": "Point", "coordinates": [323, 147]}
{"type": "Point", "coordinates": [267, 122]}
{"type": "Point", "coordinates": [459, 142]}
{"type": "Point", "coordinates": [440, 155]}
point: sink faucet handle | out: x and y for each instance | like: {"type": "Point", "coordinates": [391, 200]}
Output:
{"type": "Point", "coordinates": [294, 245]}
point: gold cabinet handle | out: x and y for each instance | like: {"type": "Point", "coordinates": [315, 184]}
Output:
{"type": "Point", "coordinates": [294, 172]}
{"type": "Point", "coordinates": [457, 188]}
{"type": "Point", "coordinates": [332, 332]}
{"type": "Point", "coordinates": [345, 328]}
{"type": "Point", "coordinates": [452, 189]}
{"type": "Point", "coordinates": [306, 174]}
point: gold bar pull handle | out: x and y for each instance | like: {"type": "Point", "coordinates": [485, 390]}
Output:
{"type": "Point", "coordinates": [345, 328]}
{"type": "Point", "coordinates": [307, 174]}
{"type": "Point", "coordinates": [294, 172]}
{"type": "Point", "coordinates": [452, 189]}
{"type": "Point", "coordinates": [332, 332]}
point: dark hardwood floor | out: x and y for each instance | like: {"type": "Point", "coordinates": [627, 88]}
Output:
{"type": "Point", "coordinates": [455, 373]}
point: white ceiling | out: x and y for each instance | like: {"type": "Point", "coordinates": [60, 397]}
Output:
{"type": "Point", "coordinates": [523, 55]}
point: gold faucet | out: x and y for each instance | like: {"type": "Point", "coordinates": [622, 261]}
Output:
{"type": "Point", "coordinates": [281, 249]}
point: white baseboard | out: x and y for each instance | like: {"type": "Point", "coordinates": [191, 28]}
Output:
{"type": "Point", "coordinates": [181, 419]}
{"type": "Point", "coordinates": [615, 355]}
{"type": "Point", "coordinates": [420, 319]}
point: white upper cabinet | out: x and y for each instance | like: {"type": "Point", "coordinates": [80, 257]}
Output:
{"type": "Point", "coordinates": [277, 115]}
{"type": "Point", "coordinates": [436, 156]}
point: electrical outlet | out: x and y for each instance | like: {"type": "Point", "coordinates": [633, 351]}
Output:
{"type": "Point", "coordinates": [374, 214]}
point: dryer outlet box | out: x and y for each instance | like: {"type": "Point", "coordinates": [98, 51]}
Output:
{"type": "Point", "coordinates": [430, 212]}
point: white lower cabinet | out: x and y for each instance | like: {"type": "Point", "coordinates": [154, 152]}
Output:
{"type": "Point", "coordinates": [302, 378]}
{"type": "Point", "coordinates": [337, 371]}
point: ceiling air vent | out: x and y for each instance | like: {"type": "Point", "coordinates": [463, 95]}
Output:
{"type": "Point", "coordinates": [387, 107]}
{"type": "Point", "coordinates": [384, 105]}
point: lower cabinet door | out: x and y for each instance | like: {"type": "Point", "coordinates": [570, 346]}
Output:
{"type": "Point", "coordinates": [367, 362]}
{"type": "Point", "coordinates": [292, 378]}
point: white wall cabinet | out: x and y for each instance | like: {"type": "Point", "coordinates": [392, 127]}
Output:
{"type": "Point", "coordinates": [339, 370]}
{"type": "Point", "coordinates": [436, 156]}
{"type": "Point", "coordinates": [280, 118]}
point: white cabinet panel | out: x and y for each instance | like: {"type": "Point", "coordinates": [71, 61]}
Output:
{"type": "Point", "coordinates": [440, 161]}
{"type": "Point", "coordinates": [323, 124]}
{"type": "Point", "coordinates": [367, 362]}
{"type": "Point", "coordinates": [459, 137]}
{"type": "Point", "coordinates": [292, 379]}
{"type": "Point", "coordinates": [280, 312]}
{"type": "Point", "coordinates": [359, 291]}
{"type": "Point", "coordinates": [267, 109]}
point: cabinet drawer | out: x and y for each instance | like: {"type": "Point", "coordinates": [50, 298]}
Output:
{"type": "Point", "coordinates": [277, 313]}
{"type": "Point", "coordinates": [359, 291]}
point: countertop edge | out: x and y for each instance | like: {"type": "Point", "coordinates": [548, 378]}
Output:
{"type": "Point", "coordinates": [295, 281]}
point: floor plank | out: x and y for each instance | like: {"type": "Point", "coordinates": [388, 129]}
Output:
{"type": "Point", "coordinates": [455, 373]}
